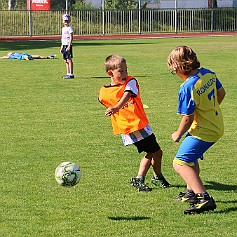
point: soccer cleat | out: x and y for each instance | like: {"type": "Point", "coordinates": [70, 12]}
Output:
{"type": "Point", "coordinates": [203, 204]}
{"type": "Point", "coordinates": [139, 185]}
{"type": "Point", "coordinates": [68, 77]}
{"type": "Point", "coordinates": [184, 197]}
{"type": "Point", "coordinates": [51, 57]}
{"type": "Point", "coordinates": [162, 182]}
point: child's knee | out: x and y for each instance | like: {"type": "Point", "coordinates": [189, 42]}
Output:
{"type": "Point", "coordinates": [176, 167]}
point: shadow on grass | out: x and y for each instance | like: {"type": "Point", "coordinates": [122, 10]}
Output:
{"type": "Point", "coordinates": [128, 218]}
{"type": "Point", "coordinates": [227, 210]}
{"type": "Point", "coordinates": [213, 185]}
{"type": "Point", "coordinates": [178, 186]}
{"type": "Point", "coordinates": [28, 45]}
{"type": "Point", "coordinates": [219, 186]}
{"type": "Point", "coordinates": [233, 201]}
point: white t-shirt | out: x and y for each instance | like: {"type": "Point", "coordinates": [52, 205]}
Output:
{"type": "Point", "coordinates": [132, 87]}
{"type": "Point", "coordinates": [66, 31]}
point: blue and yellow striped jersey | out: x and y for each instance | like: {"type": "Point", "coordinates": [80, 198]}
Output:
{"type": "Point", "coordinates": [198, 96]}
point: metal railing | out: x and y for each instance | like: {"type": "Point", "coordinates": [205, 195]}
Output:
{"type": "Point", "coordinates": [109, 22]}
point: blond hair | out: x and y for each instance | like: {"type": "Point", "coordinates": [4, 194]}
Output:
{"type": "Point", "coordinates": [183, 59]}
{"type": "Point", "coordinates": [113, 62]}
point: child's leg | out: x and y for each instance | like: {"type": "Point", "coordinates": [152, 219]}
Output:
{"type": "Point", "coordinates": [156, 163]}
{"type": "Point", "coordinates": [197, 170]}
{"type": "Point", "coordinates": [38, 57]}
{"type": "Point", "coordinates": [67, 67]}
{"type": "Point", "coordinates": [158, 178]}
{"type": "Point", "coordinates": [70, 66]}
{"type": "Point", "coordinates": [190, 174]}
{"type": "Point", "coordinates": [144, 165]}
{"type": "Point", "coordinates": [202, 201]}
{"type": "Point", "coordinates": [138, 182]}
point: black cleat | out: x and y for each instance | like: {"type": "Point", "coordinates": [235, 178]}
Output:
{"type": "Point", "coordinates": [203, 204]}
{"type": "Point", "coordinates": [162, 182]}
{"type": "Point", "coordinates": [139, 185]}
{"type": "Point", "coordinates": [184, 197]}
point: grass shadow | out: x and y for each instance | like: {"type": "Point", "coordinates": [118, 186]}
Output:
{"type": "Point", "coordinates": [101, 77]}
{"type": "Point", "coordinates": [227, 210]}
{"type": "Point", "coordinates": [233, 201]}
{"type": "Point", "coordinates": [29, 45]}
{"type": "Point", "coordinates": [178, 186]}
{"type": "Point", "coordinates": [128, 218]}
{"type": "Point", "coordinates": [220, 187]}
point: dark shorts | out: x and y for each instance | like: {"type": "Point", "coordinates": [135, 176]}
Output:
{"type": "Point", "coordinates": [148, 144]}
{"type": "Point", "coordinates": [66, 54]}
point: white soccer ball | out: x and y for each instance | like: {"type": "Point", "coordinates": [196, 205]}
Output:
{"type": "Point", "coordinates": [68, 174]}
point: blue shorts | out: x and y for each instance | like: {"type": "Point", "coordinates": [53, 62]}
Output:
{"type": "Point", "coordinates": [67, 54]}
{"type": "Point", "coordinates": [190, 150]}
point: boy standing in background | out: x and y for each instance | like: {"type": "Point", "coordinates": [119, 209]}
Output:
{"type": "Point", "coordinates": [66, 46]}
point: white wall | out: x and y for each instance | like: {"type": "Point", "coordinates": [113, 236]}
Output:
{"type": "Point", "coordinates": [188, 3]}
{"type": "Point", "coordinates": [225, 3]}
{"type": "Point", "coordinates": [180, 3]}
{"type": "Point", "coordinates": [184, 4]}
{"type": "Point", "coordinates": [96, 3]}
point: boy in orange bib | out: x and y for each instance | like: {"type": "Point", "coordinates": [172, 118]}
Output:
{"type": "Point", "coordinates": [124, 106]}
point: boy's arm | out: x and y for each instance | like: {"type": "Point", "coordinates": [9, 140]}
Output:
{"type": "Point", "coordinates": [183, 127]}
{"type": "Point", "coordinates": [220, 95]}
{"type": "Point", "coordinates": [111, 110]}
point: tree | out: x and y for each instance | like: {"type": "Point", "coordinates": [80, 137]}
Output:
{"type": "Point", "coordinates": [11, 4]}
{"type": "Point", "coordinates": [122, 4]}
{"type": "Point", "coordinates": [82, 5]}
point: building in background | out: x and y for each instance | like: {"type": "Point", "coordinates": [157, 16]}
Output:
{"type": "Point", "coordinates": [166, 4]}
{"type": "Point", "coordinates": [95, 3]}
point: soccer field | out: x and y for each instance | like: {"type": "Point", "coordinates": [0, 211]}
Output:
{"type": "Point", "coordinates": [46, 120]}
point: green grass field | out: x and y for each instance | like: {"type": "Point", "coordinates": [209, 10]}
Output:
{"type": "Point", "coordinates": [46, 120]}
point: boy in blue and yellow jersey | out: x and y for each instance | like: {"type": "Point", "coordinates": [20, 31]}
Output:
{"type": "Point", "coordinates": [199, 98]}
{"type": "Point", "coordinates": [123, 102]}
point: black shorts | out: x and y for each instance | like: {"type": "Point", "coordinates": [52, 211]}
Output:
{"type": "Point", "coordinates": [66, 54]}
{"type": "Point", "coordinates": [148, 144]}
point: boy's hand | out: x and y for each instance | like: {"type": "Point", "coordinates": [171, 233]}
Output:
{"type": "Point", "coordinates": [68, 48]}
{"type": "Point", "coordinates": [111, 110]}
{"type": "Point", "coordinates": [176, 137]}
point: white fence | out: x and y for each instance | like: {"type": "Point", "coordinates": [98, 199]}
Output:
{"type": "Point", "coordinates": [108, 22]}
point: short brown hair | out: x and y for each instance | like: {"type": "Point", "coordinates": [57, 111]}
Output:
{"type": "Point", "coordinates": [183, 59]}
{"type": "Point", "coordinates": [113, 62]}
